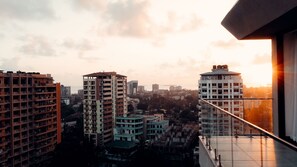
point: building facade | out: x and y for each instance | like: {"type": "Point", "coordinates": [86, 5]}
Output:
{"type": "Point", "coordinates": [140, 89]}
{"type": "Point", "coordinates": [129, 128]}
{"type": "Point", "coordinates": [65, 91]}
{"type": "Point", "coordinates": [154, 126]}
{"type": "Point", "coordinates": [30, 118]}
{"type": "Point", "coordinates": [224, 89]}
{"type": "Point", "coordinates": [140, 127]}
{"type": "Point", "coordinates": [105, 97]}
{"type": "Point", "coordinates": [155, 87]}
{"type": "Point", "coordinates": [132, 87]}
{"type": "Point", "coordinates": [65, 94]}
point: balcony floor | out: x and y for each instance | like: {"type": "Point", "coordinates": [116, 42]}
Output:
{"type": "Point", "coordinates": [247, 152]}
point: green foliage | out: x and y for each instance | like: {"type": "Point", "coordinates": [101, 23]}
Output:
{"type": "Point", "coordinates": [188, 116]}
{"type": "Point", "coordinates": [66, 110]}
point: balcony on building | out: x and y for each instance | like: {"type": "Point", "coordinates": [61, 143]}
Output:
{"type": "Point", "coordinates": [230, 141]}
{"type": "Point", "coordinates": [254, 146]}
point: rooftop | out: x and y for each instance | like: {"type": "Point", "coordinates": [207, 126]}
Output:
{"type": "Point", "coordinates": [97, 74]}
{"type": "Point", "coordinates": [220, 70]}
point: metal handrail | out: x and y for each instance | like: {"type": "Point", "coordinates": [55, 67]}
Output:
{"type": "Point", "coordinates": [252, 125]}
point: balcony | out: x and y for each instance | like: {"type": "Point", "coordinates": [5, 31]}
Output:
{"type": "Point", "coordinates": [238, 142]}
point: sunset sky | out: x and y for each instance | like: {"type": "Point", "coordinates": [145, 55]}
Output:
{"type": "Point", "coordinates": [169, 42]}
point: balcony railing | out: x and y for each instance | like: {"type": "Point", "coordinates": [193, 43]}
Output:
{"type": "Point", "coordinates": [228, 140]}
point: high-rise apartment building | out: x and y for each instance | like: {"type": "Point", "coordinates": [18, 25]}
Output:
{"type": "Point", "coordinates": [140, 89]}
{"type": "Point", "coordinates": [30, 120]}
{"type": "Point", "coordinates": [105, 96]}
{"type": "Point", "coordinates": [155, 87]}
{"type": "Point", "coordinates": [65, 91]}
{"type": "Point", "coordinates": [224, 89]}
{"type": "Point", "coordinates": [132, 87]}
{"type": "Point", "coordinates": [65, 94]}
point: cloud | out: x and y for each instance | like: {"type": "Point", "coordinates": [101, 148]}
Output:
{"type": "Point", "coordinates": [227, 44]}
{"type": "Point", "coordinates": [193, 23]}
{"type": "Point", "coordinates": [11, 64]}
{"type": "Point", "coordinates": [2, 36]}
{"type": "Point", "coordinates": [84, 44]}
{"type": "Point", "coordinates": [26, 9]}
{"type": "Point", "coordinates": [90, 59]}
{"type": "Point", "coordinates": [83, 47]}
{"type": "Point", "coordinates": [133, 18]}
{"type": "Point", "coordinates": [37, 46]}
{"type": "Point", "coordinates": [90, 4]}
{"type": "Point", "coordinates": [129, 18]}
{"type": "Point", "coordinates": [262, 59]}
{"type": "Point", "coordinates": [186, 64]}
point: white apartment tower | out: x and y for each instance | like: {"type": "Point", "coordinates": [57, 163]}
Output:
{"type": "Point", "coordinates": [105, 96]}
{"type": "Point", "coordinates": [132, 87]}
{"type": "Point", "coordinates": [224, 89]}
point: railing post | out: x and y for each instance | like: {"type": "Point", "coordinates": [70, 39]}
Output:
{"type": "Point", "coordinates": [220, 164]}
{"type": "Point", "coordinates": [206, 144]}
{"type": "Point", "coordinates": [216, 156]}
{"type": "Point", "coordinates": [251, 130]}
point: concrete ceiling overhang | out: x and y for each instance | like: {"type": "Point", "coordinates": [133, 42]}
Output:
{"type": "Point", "coordinates": [261, 19]}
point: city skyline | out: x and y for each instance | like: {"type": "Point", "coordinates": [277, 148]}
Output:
{"type": "Point", "coordinates": [164, 42]}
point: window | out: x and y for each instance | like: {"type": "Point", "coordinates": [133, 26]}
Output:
{"type": "Point", "coordinates": [220, 85]}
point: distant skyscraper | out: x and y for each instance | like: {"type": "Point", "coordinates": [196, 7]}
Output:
{"type": "Point", "coordinates": [105, 96]}
{"type": "Point", "coordinates": [30, 120]}
{"type": "Point", "coordinates": [65, 94]}
{"type": "Point", "coordinates": [132, 87]}
{"type": "Point", "coordinates": [80, 93]}
{"type": "Point", "coordinates": [224, 89]}
{"type": "Point", "coordinates": [140, 89]}
{"type": "Point", "coordinates": [155, 87]}
{"type": "Point", "coordinates": [65, 91]}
